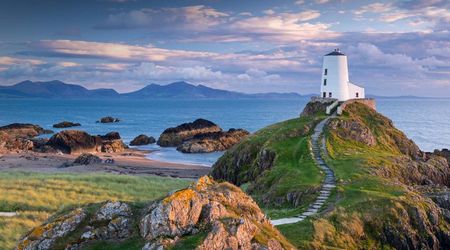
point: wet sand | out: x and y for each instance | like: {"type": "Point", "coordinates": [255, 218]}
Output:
{"type": "Point", "coordinates": [129, 162]}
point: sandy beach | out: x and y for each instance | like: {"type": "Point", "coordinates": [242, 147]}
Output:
{"type": "Point", "coordinates": [129, 162]}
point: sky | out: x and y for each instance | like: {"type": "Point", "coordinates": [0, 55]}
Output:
{"type": "Point", "coordinates": [393, 47]}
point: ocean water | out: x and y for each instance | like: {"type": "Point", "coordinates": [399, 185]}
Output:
{"type": "Point", "coordinates": [426, 121]}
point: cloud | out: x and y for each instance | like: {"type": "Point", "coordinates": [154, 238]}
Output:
{"type": "Point", "coordinates": [283, 27]}
{"type": "Point", "coordinates": [373, 8]}
{"type": "Point", "coordinates": [198, 17]}
{"type": "Point", "coordinates": [85, 49]}
{"type": "Point", "coordinates": [68, 64]}
{"type": "Point", "coordinates": [6, 60]}
{"type": "Point", "coordinates": [158, 72]}
{"type": "Point", "coordinates": [206, 24]}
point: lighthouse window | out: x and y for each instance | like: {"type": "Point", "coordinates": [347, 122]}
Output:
{"type": "Point", "coordinates": [330, 95]}
{"type": "Point", "coordinates": [324, 94]}
{"type": "Point", "coordinates": [326, 72]}
{"type": "Point", "coordinates": [324, 82]}
{"type": "Point", "coordinates": [357, 95]}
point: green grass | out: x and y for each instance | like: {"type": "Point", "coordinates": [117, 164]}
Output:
{"type": "Point", "coordinates": [362, 198]}
{"type": "Point", "coordinates": [36, 196]}
{"type": "Point", "coordinates": [135, 243]}
{"type": "Point", "coordinates": [292, 172]}
{"type": "Point", "coordinates": [299, 234]}
{"type": "Point", "coordinates": [189, 242]}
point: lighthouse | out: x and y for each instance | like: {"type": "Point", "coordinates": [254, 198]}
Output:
{"type": "Point", "coordinates": [335, 82]}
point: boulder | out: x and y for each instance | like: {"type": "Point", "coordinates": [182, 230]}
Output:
{"type": "Point", "coordinates": [109, 119]}
{"type": "Point", "coordinates": [111, 136]}
{"type": "Point", "coordinates": [142, 140]}
{"type": "Point", "coordinates": [87, 159]}
{"type": "Point", "coordinates": [66, 124]}
{"type": "Point", "coordinates": [173, 137]}
{"type": "Point", "coordinates": [8, 144]}
{"type": "Point", "coordinates": [74, 141]}
{"type": "Point", "coordinates": [112, 142]}
{"type": "Point", "coordinates": [214, 141]}
{"type": "Point", "coordinates": [113, 146]}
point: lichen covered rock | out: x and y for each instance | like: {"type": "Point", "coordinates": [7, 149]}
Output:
{"type": "Point", "coordinates": [45, 236]}
{"type": "Point", "coordinates": [219, 214]}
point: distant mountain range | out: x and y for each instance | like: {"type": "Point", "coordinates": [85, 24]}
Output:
{"type": "Point", "coordinates": [58, 89]}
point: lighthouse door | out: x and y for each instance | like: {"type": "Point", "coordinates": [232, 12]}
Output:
{"type": "Point", "coordinates": [324, 94]}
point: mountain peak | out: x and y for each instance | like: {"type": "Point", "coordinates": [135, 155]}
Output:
{"type": "Point", "coordinates": [180, 83]}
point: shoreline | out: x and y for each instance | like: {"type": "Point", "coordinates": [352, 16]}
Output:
{"type": "Point", "coordinates": [129, 162]}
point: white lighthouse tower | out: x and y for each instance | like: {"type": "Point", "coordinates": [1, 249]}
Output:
{"type": "Point", "coordinates": [335, 82]}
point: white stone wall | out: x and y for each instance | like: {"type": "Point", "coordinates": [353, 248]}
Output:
{"type": "Point", "coordinates": [353, 89]}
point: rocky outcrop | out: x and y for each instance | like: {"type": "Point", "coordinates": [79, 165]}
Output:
{"type": "Point", "coordinates": [353, 130]}
{"type": "Point", "coordinates": [87, 159]}
{"type": "Point", "coordinates": [316, 106]}
{"type": "Point", "coordinates": [24, 130]}
{"type": "Point", "coordinates": [173, 137]}
{"type": "Point", "coordinates": [18, 137]}
{"type": "Point", "coordinates": [75, 141]}
{"type": "Point", "coordinates": [45, 236]}
{"type": "Point", "coordinates": [219, 214]}
{"type": "Point", "coordinates": [66, 124]}
{"type": "Point", "coordinates": [445, 153]}
{"type": "Point", "coordinates": [200, 136]}
{"type": "Point", "coordinates": [142, 140]}
{"type": "Point", "coordinates": [110, 136]}
{"type": "Point", "coordinates": [214, 141]}
{"type": "Point", "coordinates": [109, 119]}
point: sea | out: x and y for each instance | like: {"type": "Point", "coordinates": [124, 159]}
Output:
{"type": "Point", "coordinates": [424, 120]}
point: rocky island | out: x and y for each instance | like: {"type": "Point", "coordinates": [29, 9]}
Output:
{"type": "Point", "coordinates": [200, 136]}
{"type": "Point", "coordinates": [66, 124]}
{"type": "Point", "coordinates": [108, 119]}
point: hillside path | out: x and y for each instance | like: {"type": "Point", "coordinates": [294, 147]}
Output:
{"type": "Point", "coordinates": [318, 148]}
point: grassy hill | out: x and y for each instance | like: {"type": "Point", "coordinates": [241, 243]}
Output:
{"type": "Point", "coordinates": [275, 166]}
{"type": "Point", "coordinates": [381, 200]}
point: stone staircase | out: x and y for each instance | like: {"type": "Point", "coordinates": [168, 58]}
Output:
{"type": "Point", "coordinates": [317, 149]}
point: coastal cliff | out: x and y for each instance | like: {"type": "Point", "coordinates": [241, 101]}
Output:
{"type": "Point", "coordinates": [389, 193]}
